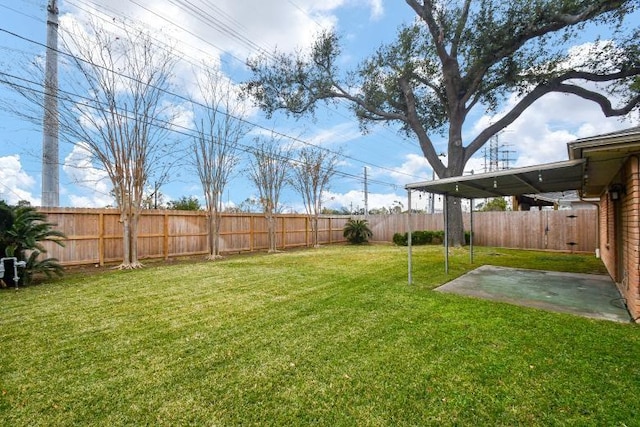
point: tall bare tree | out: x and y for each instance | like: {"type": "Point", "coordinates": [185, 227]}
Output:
{"type": "Point", "coordinates": [310, 177]}
{"type": "Point", "coordinates": [268, 169]}
{"type": "Point", "coordinates": [126, 127]}
{"type": "Point", "coordinates": [460, 57]}
{"type": "Point", "coordinates": [111, 100]}
{"type": "Point", "coordinates": [220, 128]}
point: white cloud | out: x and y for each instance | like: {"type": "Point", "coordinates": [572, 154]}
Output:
{"type": "Point", "coordinates": [377, 10]}
{"type": "Point", "coordinates": [596, 54]}
{"type": "Point", "coordinates": [181, 116]}
{"type": "Point", "coordinates": [414, 168]}
{"type": "Point", "coordinates": [334, 135]}
{"type": "Point", "coordinates": [93, 185]}
{"type": "Point", "coordinates": [354, 199]}
{"type": "Point", "coordinates": [206, 31]}
{"type": "Point", "coordinates": [15, 183]}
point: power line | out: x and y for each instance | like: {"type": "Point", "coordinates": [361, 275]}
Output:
{"type": "Point", "coordinates": [220, 26]}
{"type": "Point", "coordinates": [168, 126]}
{"type": "Point", "coordinates": [20, 12]}
{"type": "Point", "coordinates": [190, 100]}
{"type": "Point", "coordinates": [192, 10]}
{"type": "Point", "coordinates": [307, 143]}
{"type": "Point", "coordinates": [11, 190]}
{"type": "Point", "coordinates": [198, 13]}
{"type": "Point", "coordinates": [183, 55]}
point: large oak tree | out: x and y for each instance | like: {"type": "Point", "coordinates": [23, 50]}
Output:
{"type": "Point", "coordinates": [458, 57]}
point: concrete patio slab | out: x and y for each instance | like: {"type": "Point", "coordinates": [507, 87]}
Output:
{"type": "Point", "coordinates": [587, 295]}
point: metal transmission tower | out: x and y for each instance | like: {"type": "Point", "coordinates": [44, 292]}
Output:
{"type": "Point", "coordinates": [491, 155]}
{"type": "Point", "coordinates": [506, 155]}
{"type": "Point", "coordinates": [50, 163]}
{"type": "Point", "coordinates": [495, 154]}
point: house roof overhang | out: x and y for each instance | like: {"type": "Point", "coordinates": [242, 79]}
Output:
{"type": "Point", "coordinates": [604, 156]}
{"type": "Point", "coordinates": [544, 178]}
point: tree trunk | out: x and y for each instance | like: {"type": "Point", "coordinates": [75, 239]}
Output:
{"type": "Point", "coordinates": [455, 167]}
{"type": "Point", "coordinates": [126, 242]}
{"type": "Point", "coordinates": [133, 236]}
{"type": "Point", "coordinates": [314, 231]}
{"type": "Point", "coordinates": [213, 236]}
{"type": "Point", "coordinates": [129, 242]}
{"type": "Point", "coordinates": [455, 229]}
{"type": "Point", "coordinates": [271, 230]}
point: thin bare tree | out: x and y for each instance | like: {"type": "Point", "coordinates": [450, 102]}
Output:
{"type": "Point", "coordinates": [268, 169]}
{"type": "Point", "coordinates": [219, 129]}
{"type": "Point", "coordinates": [310, 177]}
{"type": "Point", "coordinates": [126, 128]}
{"type": "Point", "coordinates": [113, 102]}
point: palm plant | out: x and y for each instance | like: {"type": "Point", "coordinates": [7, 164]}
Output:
{"type": "Point", "coordinates": [22, 231]}
{"type": "Point", "coordinates": [6, 221]}
{"type": "Point", "coordinates": [357, 231]}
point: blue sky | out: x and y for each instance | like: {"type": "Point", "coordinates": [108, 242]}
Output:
{"type": "Point", "coordinates": [392, 160]}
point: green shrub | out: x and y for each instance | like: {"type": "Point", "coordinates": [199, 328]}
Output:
{"type": "Point", "coordinates": [357, 231]}
{"type": "Point", "coordinates": [400, 239]}
{"type": "Point", "coordinates": [22, 231]}
{"type": "Point", "coordinates": [438, 237]}
{"type": "Point", "coordinates": [421, 237]}
{"type": "Point", "coordinates": [424, 237]}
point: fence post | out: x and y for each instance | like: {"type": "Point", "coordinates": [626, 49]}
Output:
{"type": "Point", "coordinates": [165, 237]}
{"type": "Point", "coordinates": [101, 239]}
{"type": "Point", "coordinates": [252, 234]}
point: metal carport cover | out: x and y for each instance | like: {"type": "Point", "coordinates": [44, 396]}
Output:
{"type": "Point", "coordinates": [544, 178]}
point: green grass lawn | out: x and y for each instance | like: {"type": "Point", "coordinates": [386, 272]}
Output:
{"type": "Point", "coordinates": [330, 336]}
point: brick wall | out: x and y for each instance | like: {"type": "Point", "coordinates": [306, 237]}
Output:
{"type": "Point", "coordinates": [630, 283]}
{"type": "Point", "coordinates": [620, 235]}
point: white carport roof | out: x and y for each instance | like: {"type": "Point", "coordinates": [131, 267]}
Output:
{"type": "Point", "coordinates": [544, 178]}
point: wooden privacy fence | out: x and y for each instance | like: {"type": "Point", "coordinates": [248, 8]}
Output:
{"type": "Point", "coordinates": [573, 230]}
{"type": "Point", "coordinates": [94, 236]}
{"type": "Point", "coordinates": [561, 230]}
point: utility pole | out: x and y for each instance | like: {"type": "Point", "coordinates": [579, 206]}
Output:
{"type": "Point", "coordinates": [50, 163]}
{"type": "Point", "coordinates": [366, 194]}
